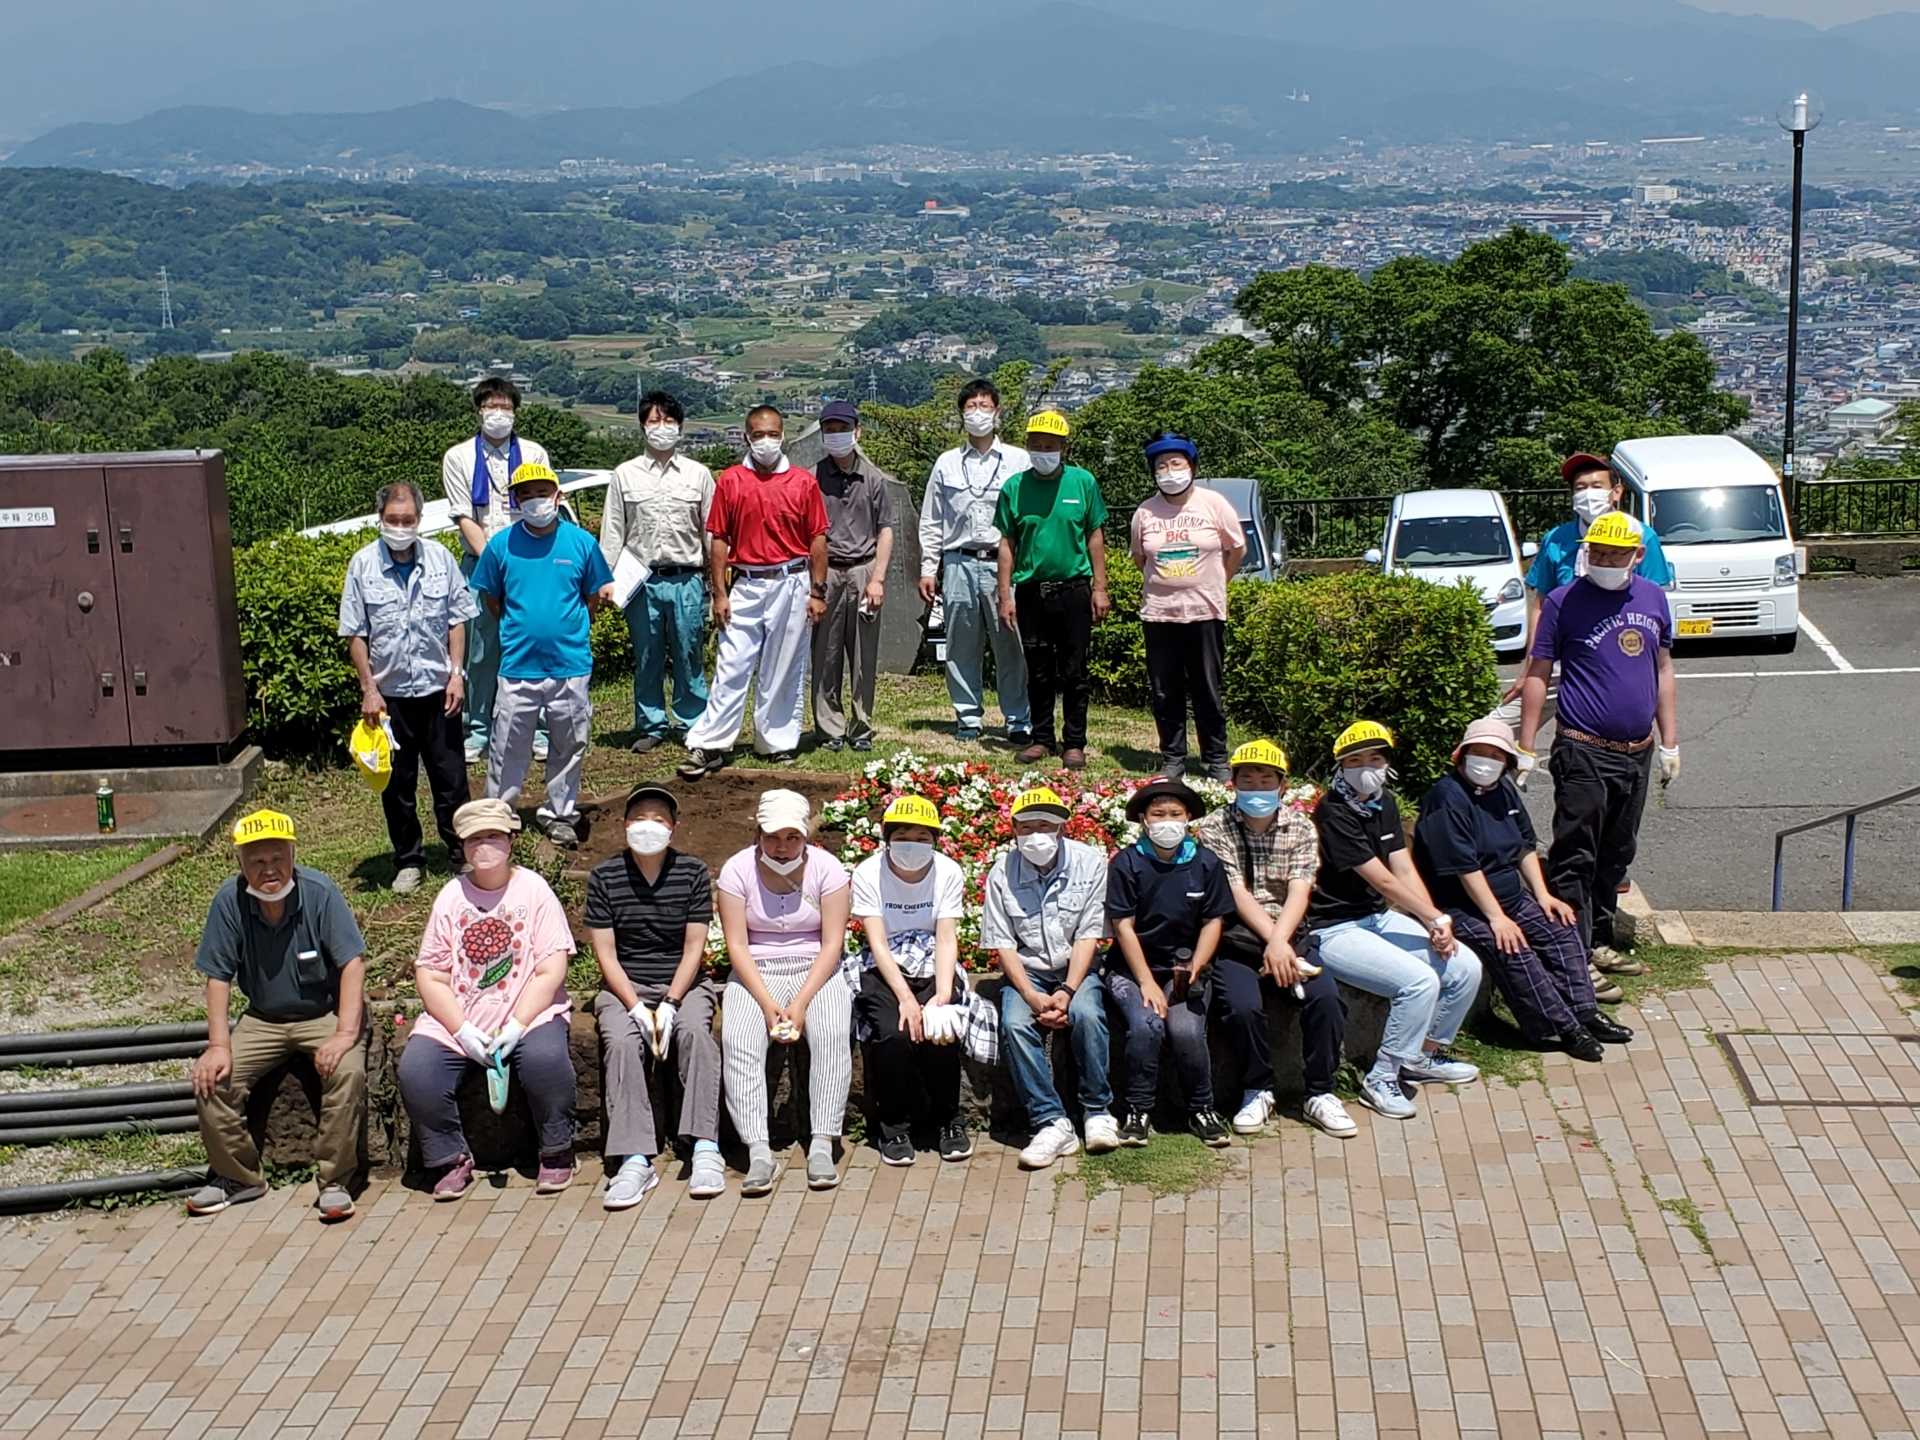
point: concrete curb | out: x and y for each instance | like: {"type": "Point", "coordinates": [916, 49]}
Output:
{"type": "Point", "coordinates": [1778, 929]}
{"type": "Point", "coordinates": [87, 899]}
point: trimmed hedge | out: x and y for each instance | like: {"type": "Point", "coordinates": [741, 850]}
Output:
{"type": "Point", "coordinates": [1305, 658]}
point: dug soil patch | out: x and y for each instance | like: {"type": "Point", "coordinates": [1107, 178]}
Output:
{"type": "Point", "coordinates": [716, 814]}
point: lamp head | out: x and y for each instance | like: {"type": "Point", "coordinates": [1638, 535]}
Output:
{"type": "Point", "coordinates": [1800, 114]}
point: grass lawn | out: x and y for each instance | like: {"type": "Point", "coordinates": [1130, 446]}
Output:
{"type": "Point", "coordinates": [1164, 291]}
{"type": "Point", "coordinates": [32, 882]}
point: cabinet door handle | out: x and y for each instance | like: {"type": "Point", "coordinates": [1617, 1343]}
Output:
{"type": "Point", "coordinates": [93, 540]}
{"type": "Point", "coordinates": [106, 684]}
{"type": "Point", "coordinates": [126, 539]}
{"type": "Point", "coordinates": [139, 682]}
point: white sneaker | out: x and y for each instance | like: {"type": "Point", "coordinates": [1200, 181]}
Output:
{"type": "Point", "coordinates": [630, 1184]}
{"type": "Point", "coordinates": [1439, 1067]}
{"type": "Point", "coordinates": [1053, 1141]}
{"type": "Point", "coordinates": [539, 747]}
{"type": "Point", "coordinates": [475, 753]}
{"type": "Point", "coordinates": [1255, 1113]}
{"type": "Point", "coordinates": [1330, 1115]}
{"type": "Point", "coordinates": [1103, 1134]}
{"type": "Point", "coordinates": [408, 880]}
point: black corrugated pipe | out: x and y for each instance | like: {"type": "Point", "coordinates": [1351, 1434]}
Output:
{"type": "Point", "coordinates": [52, 1134]}
{"type": "Point", "coordinates": [51, 1040]}
{"type": "Point", "coordinates": [52, 1197]}
{"type": "Point", "coordinates": [107, 1055]}
{"type": "Point", "coordinates": [97, 1114]}
{"type": "Point", "coordinates": [18, 1101]}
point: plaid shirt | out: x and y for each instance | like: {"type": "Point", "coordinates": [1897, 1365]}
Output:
{"type": "Point", "coordinates": [1289, 850]}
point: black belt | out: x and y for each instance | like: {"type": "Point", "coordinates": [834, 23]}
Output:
{"type": "Point", "coordinates": [1058, 587]}
{"type": "Point", "coordinates": [678, 570]}
{"type": "Point", "coordinates": [976, 552]}
{"type": "Point", "coordinates": [785, 567]}
{"type": "Point", "coordinates": [833, 564]}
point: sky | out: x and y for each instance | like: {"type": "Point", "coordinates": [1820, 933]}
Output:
{"type": "Point", "coordinates": [1814, 12]}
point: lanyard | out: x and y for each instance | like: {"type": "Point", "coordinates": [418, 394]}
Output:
{"type": "Point", "coordinates": [482, 472]}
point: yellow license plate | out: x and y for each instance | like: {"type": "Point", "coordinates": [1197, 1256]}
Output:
{"type": "Point", "coordinates": [1693, 627]}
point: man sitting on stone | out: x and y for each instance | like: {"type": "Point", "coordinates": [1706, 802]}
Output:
{"type": "Point", "coordinates": [284, 933]}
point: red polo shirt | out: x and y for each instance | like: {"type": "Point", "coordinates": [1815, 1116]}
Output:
{"type": "Point", "coordinates": [767, 519]}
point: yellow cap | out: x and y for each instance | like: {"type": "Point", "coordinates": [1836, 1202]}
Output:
{"type": "Point", "coordinates": [371, 747]}
{"type": "Point", "coordinates": [1260, 752]}
{"type": "Point", "coordinates": [1362, 735]}
{"type": "Point", "coordinates": [263, 825]}
{"type": "Point", "coordinates": [1049, 422]}
{"type": "Point", "coordinates": [1615, 529]}
{"type": "Point", "coordinates": [532, 470]}
{"type": "Point", "coordinates": [911, 810]}
{"type": "Point", "coordinates": [1040, 801]}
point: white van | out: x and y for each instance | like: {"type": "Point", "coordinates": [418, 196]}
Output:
{"type": "Point", "coordinates": [1718, 510]}
{"type": "Point", "coordinates": [1446, 536]}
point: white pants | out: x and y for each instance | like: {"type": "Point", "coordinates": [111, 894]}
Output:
{"type": "Point", "coordinates": [516, 715]}
{"type": "Point", "coordinates": [828, 1032]}
{"type": "Point", "coordinates": [768, 632]}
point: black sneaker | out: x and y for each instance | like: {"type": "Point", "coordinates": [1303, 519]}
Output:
{"type": "Point", "coordinates": [896, 1149]}
{"type": "Point", "coordinates": [832, 742]}
{"type": "Point", "coordinates": [956, 1141]}
{"type": "Point", "coordinates": [1608, 1030]}
{"type": "Point", "coordinates": [701, 763]}
{"type": "Point", "coordinates": [1581, 1044]}
{"type": "Point", "coordinates": [863, 744]}
{"type": "Point", "coordinates": [1208, 1129]}
{"type": "Point", "coordinates": [1134, 1129]}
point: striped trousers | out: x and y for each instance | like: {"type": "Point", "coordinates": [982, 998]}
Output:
{"type": "Point", "coordinates": [1547, 985]}
{"type": "Point", "coordinates": [827, 1034]}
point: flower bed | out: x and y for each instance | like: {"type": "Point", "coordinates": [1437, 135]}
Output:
{"type": "Point", "coordinates": [975, 824]}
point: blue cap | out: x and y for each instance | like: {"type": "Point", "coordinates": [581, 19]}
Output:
{"type": "Point", "coordinates": [840, 410]}
{"type": "Point", "coordinates": [1170, 444]}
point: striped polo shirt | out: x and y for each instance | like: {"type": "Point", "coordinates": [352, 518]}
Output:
{"type": "Point", "coordinates": [649, 922]}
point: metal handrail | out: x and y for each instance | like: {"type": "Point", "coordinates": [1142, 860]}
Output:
{"type": "Point", "coordinates": [1852, 817]}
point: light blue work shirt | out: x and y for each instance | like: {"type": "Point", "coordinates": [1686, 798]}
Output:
{"type": "Point", "coordinates": [404, 612]}
{"type": "Point", "coordinates": [1040, 914]}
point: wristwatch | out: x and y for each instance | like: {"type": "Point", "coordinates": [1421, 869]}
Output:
{"type": "Point", "coordinates": [819, 590]}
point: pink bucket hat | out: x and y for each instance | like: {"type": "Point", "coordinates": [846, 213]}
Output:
{"type": "Point", "coordinates": [1490, 730]}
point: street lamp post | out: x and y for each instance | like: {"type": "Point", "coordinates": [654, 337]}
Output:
{"type": "Point", "coordinates": [1797, 117]}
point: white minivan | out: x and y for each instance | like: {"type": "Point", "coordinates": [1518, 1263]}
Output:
{"type": "Point", "coordinates": [1446, 536]}
{"type": "Point", "coordinates": [1718, 510]}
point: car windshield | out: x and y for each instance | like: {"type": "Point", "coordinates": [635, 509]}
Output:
{"type": "Point", "coordinates": [1717, 516]}
{"type": "Point", "coordinates": [1452, 540]}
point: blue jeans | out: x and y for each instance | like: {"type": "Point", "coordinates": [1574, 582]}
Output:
{"type": "Point", "coordinates": [668, 619]}
{"type": "Point", "coordinates": [1146, 1036]}
{"type": "Point", "coordinates": [970, 592]}
{"type": "Point", "coordinates": [1388, 955]}
{"type": "Point", "coordinates": [1025, 1044]}
{"type": "Point", "coordinates": [483, 667]}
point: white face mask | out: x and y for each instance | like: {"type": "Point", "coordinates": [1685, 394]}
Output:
{"type": "Point", "coordinates": [912, 856]}
{"type": "Point", "coordinates": [1045, 462]}
{"type": "Point", "coordinates": [539, 510]}
{"type": "Point", "coordinates": [1590, 505]}
{"type": "Point", "coordinates": [766, 452]}
{"type": "Point", "coordinates": [839, 443]}
{"type": "Point", "coordinates": [400, 537]}
{"type": "Point", "coordinates": [1174, 480]}
{"type": "Point", "coordinates": [1482, 770]}
{"type": "Point", "coordinates": [1366, 781]}
{"type": "Point", "coordinates": [1167, 834]}
{"type": "Point", "coordinates": [496, 424]}
{"type": "Point", "coordinates": [648, 837]}
{"type": "Point", "coordinates": [1039, 848]}
{"type": "Point", "coordinates": [275, 895]}
{"type": "Point", "coordinates": [783, 867]}
{"type": "Point", "coordinates": [980, 422]}
{"type": "Point", "coordinates": [662, 437]}
{"type": "Point", "coordinates": [1610, 577]}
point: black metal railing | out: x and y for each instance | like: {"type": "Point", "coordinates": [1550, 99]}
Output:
{"type": "Point", "coordinates": [1852, 819]}
{"type": "Point", "coordinates": [1830, 509]}
{"type": "Point", "coordinates": [1339, 526]}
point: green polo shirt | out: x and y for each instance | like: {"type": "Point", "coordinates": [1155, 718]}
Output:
{"type": "Point", "coordinates": [1048, 520]}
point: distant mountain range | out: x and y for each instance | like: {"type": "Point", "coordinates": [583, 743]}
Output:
{"type": "Point", "coordinates": [1113, 75]}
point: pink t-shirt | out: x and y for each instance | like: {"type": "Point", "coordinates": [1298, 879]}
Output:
{"type": "Point", "coordinates": [783, 930]}
{"type": "Point", "coordinates": [488, 942]}
{"type": "Point", "coordinates": [1179, 549]}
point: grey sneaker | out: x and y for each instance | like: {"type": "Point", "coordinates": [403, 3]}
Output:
{"type": "Point", "coordinates": [334, 1202]}
{"type": "Point", "coordinates": [1174, 767]}
{"type": "Point", "coordinates": [708, 1177]}
{"type": "Point", "coordinates": [219, 1192]}
{"type": "Point", "coordinates": [760, 1174]}
{"type": "Point", "coordinates": [1440, 1067]}
{"type": "Point", "coordinates": [407, 880]}
{"type": "Point", "coordinates": [1386, 1097]}
{"type": "Point", "coordinates": [822, 1173]}
{"type": "Point", "coordinates": [630, 1184]}
{"type": "Point", "coordinates": [562, 833]}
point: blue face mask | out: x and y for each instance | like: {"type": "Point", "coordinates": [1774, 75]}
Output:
{"type": "Point", "coordinates": [1257, 803]}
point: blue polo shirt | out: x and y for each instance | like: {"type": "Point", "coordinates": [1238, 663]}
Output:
{"type": "Point", "coordinates": [1167, 900]}
{"type": "Point", "coordinates": [1462, 829]}
{"type": "Point", "coordinates": [543, 582]}
{"type": "Point", "coordinates": [1557, 563]}
{"type": "Point", "coordinates": [1608, 643]}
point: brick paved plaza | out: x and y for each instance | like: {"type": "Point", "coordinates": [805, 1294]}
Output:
{"type": "Point", "coordinates": [1514, 1262]}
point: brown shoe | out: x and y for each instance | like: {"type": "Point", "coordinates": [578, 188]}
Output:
{"type": "Point", "coordinates": [1606, 990]}
{"type": "Point", "coordinates": [1033, 754]}
{"type": "Point", "coordinates": [1074, 759]}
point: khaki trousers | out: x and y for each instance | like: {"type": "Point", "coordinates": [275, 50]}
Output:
{"type": "Point", "coordinates": [845, 640]}
{"type": "Point", "coordinates": [258, 1047]}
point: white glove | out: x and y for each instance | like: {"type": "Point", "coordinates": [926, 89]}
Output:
{"type": "Point", "coordinates": [1524, 769]}
{"type": "Point", "coordinates": [510, 1035]}
{"type": "Point", "coordinates": [663, 1028]}
{"type": "Point", "coordinates": [642, 1015]}
{"type": "Point", "coordinates": [1669, 764]}
{"type": "Point", "coordinates": [937, 1021]}
{"type": "Point", "coordinates": [473, 1042]}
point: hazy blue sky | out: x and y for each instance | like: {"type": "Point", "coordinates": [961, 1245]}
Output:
{"type": "Point", "coordinates": [1817, 12]}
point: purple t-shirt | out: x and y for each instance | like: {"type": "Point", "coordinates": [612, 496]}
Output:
{"type": "Point", "coordinates": [1608, 644]}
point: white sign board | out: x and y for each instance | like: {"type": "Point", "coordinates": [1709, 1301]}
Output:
{"type": "Point", "coordinates": [25, 518]}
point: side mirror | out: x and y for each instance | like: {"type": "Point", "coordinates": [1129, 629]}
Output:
{"type": "Point", "coordinates": [1373, 556]}
{"type": "Point", "coordinates": [1528, 550]}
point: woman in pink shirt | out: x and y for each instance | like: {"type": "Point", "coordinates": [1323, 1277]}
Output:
{"type": "Point", "coordinates": [784, 907]}
{"type": "Point", "coordinates": [492, 974]}
{"type": "Point", "coordinates": [1188, 543]}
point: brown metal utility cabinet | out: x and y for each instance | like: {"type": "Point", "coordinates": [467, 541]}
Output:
{"type": "Point", "coordinates": [117, 618]}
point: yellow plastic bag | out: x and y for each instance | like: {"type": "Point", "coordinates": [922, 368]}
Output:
{"type": "Point", "coordinates": [371, 746]}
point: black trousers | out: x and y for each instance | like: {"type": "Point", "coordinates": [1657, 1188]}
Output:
{"type": "Point", "coordinates": [1239, 1009]}
{"type": "Point", "coordinates": [1056, 626]}
{"type": "Point", "coordinates": [1598, 798]}
{"type": "Point", "coordinates": [1184, 662]}
{"type": "Point", "coordinates": [897, 1068]}
{"type": "Point", "coordinates": [424, 732]}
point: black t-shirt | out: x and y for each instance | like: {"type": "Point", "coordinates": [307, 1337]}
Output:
{"type": "Point", "coordinates": [1349, 837]}
{"type": "Point", "coordinates": [649, 922]}
{"type": "Point", "coordinates": [1168, 901]}
{"type": "Point", "coordinates": [1461, 830]}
